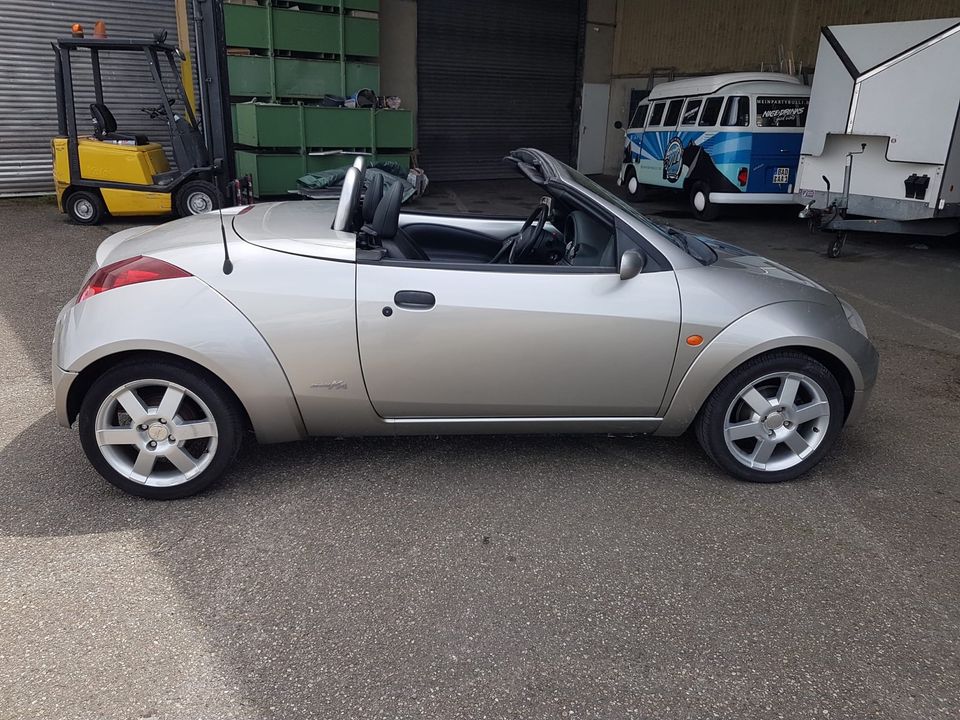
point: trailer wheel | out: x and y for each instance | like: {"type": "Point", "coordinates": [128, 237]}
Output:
{"type": "Point", "coordinates": [836, 245]}
{"type": "Point", "coordinates": [85, 207]}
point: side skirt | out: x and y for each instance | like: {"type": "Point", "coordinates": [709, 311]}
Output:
{"type": "Point", "coordinates": [526, 425]}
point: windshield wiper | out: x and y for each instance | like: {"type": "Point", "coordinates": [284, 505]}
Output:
{"type": "Point", "coordinates": [673, 232]}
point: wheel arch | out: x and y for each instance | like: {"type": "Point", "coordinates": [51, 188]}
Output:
{"type": "Point", "coordinates": [88, 376]}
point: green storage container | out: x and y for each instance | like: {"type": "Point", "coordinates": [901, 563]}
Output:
{"type": "Point", "coordinates": [298, 78]}
{"type": "Point", "coordinates": [276, 174]}
{"type": "Point", "coordinates": [294, 126]}
{"type": "Point", "coordinates": [301, 31]}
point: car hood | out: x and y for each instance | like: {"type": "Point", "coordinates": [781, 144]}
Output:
{"type": "Point", "coordinates": [739, 282]}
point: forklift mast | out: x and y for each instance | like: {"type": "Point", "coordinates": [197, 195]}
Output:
{"type": "Point", "coordinates": [217, 123]}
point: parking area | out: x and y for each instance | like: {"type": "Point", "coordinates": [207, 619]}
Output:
{"type": "Point", "coordinates": [472, 577]}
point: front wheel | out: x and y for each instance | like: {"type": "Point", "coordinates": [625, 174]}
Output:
{"type": "Point", "coordinates": [160, 430]}
{"type": "Point", "coordinates": [197, 197]}
{"type": "Point", "coordinates": [634, 191]}
{"type": "Point", "coordinates": [773, 418]}
{"type": "Point", "coordinates": [700, 203]}
{"type": "Point", "coordinates": [85, 207]}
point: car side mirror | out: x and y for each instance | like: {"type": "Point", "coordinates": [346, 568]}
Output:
{"type": "Point", "coordinates": [618, 125]}
{"type": "Point", "coordinates": [631, 264]}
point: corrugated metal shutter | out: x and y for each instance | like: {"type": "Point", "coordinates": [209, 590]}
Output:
{"type": "Point", "coordinates": [493, 76]}
{"type": "Point", "coordinates": [28, 113]}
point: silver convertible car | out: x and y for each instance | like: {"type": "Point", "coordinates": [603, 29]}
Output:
{"type": "Point", "coordinates": [352, 317]}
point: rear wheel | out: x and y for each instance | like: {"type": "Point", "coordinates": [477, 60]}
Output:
{"type": "Point", "coordinates": [700, 203]}
{"type": "Point", "coordinates": [159, 430]}
{"type": "Point", "coordinates": [85, 207]}
{"type": "Point", "coordinates": [773, 418]}
{"type": "Point", "coordinates": [196, 197]}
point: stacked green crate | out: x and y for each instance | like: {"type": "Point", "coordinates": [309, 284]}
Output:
{"type": "Point", "coordinates": [294, 54]}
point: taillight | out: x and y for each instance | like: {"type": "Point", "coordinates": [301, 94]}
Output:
{"type": "Point", "coordinates": [129, 272]}
{"type": "Point", "coordinates": [742, 177]}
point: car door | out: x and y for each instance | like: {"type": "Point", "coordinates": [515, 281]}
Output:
{"type": "Point", "coordinates": [507, 341]}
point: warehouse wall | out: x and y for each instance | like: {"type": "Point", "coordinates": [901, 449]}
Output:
{"type": "Point", "coordinates": [704, 36]}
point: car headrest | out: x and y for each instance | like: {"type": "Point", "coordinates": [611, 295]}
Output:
{"type": "Point", "coordinates": [386, 220]}
{"type": "Point", "coordinates": [103, 120]}
{"type": "Point", "coordinates": [372, 198]}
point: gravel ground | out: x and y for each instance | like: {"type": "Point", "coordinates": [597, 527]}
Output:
{"type": "Point", "coordinates": [490, 577]}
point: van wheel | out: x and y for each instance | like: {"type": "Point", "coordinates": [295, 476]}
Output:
{"type": "Point", "coordinates": [634, 190]}
{"type": "Point", "coordinates": [196, 197]}
{"type": "Point", "coordinates": [85, 207]}
{"type": "Point", "coordinates": [700, 203]}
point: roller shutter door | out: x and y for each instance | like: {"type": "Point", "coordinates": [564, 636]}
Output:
{"type": "Point", "coordinates": [28, 113]}
{"type": "Point", "coordinates": [493, 76]}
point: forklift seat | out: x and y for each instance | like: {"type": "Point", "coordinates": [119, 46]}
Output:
{"type": "Point", "coordinates": [105, 126]}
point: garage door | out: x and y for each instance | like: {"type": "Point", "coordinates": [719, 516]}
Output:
{"type": "Point", "coordinates": [493, 76]}
{"type": "Point", "coordinates": [28, 113]}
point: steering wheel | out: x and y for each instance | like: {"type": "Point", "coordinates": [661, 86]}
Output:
{"type": "Point", "coordinates": [530, 234]}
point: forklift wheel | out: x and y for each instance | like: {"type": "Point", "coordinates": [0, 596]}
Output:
{"type": "Point", "coordinates": [85, 207]}
{"type": "Point", "coordinates": [836, 245]}
{"type": "Point", "coordinates": [196, 197]}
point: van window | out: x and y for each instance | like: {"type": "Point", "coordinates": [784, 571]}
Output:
{"type": "Point", "coordinates": [782, 111]}
{"type": "Point", "coordinates": [690, 111]}
{"type": "Point", "coordinates": [711, 111]}
{"type": "Point", "coordinates": [673, 113]}
{"type": "Point", "coordinates": [657, 114]}
{"type": "Point", "coordinates": [736, 112]}
{"type": "Point", "coordinates": [639, 116]}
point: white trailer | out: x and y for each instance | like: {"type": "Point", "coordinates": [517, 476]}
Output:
{"type": "Point", "coordinates": [881, 148]}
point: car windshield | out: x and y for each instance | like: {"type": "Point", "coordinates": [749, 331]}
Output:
{"type": "Point", "coordinates": [690, 244]}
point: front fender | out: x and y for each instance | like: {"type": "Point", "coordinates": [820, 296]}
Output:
{"type": "Point", "coordinates": [187, 318]}
{"type": "Point", "coordinates": [780, 325]}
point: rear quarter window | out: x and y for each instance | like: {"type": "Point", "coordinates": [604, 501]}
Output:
{"type": "Point", "coordinates": [782, 111]}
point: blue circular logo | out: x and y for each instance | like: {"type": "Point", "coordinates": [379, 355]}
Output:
{"type": "Point", "coordinates": [673, 160]}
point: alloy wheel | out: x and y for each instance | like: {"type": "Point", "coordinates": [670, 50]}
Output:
{"type": "Point", "coordinates": [156, 433]}
{"type": "Point", "coordinates": [777, 421]}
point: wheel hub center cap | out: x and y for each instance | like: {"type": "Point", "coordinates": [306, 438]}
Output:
{"type": "Point", "coordinates": [157, 432]}
{"type": "Point", "coordinates": [773, 421]}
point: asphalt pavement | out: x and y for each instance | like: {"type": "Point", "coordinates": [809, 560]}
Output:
{"type": "Point", "coordinates": [494, 577]}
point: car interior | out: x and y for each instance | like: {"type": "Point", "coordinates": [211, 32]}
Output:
{"type": "Point", "coordinates": [560, 231]}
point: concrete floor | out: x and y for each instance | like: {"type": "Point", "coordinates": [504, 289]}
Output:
{"type": "Point", "coordinates": [490, 577]}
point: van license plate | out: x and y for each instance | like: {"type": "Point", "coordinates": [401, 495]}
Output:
{"type": "Point", "coordinates": [781, 176]}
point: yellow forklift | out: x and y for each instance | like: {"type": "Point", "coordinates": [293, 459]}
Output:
{"type": "Point", "coordinates": [124, 173]}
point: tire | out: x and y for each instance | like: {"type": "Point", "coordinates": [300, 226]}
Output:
{"type": "Point", "coordinates": [85, 207]}
{"type": "Point", "coordinates": [700, 203]}
{"type": "Point", "coordinates": [737, 438]}
{"type": "Point", "coordinates": [130, 402]}
{"type": "Point", "coordinates": [196, 197]}
{"type": "Point", "coordinates": [835, 248]}
{"type": "Point", "coordinates": [632, 188]}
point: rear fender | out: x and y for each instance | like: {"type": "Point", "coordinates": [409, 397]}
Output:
{"type": "Point", "coordinates": [186, 318]}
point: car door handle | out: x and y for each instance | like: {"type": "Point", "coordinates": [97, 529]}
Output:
{"type": "Point", "coordinates": [414, 299]}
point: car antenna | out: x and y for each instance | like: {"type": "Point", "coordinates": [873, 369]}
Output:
{"type": "Point", "coordinates": [227, 264]}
